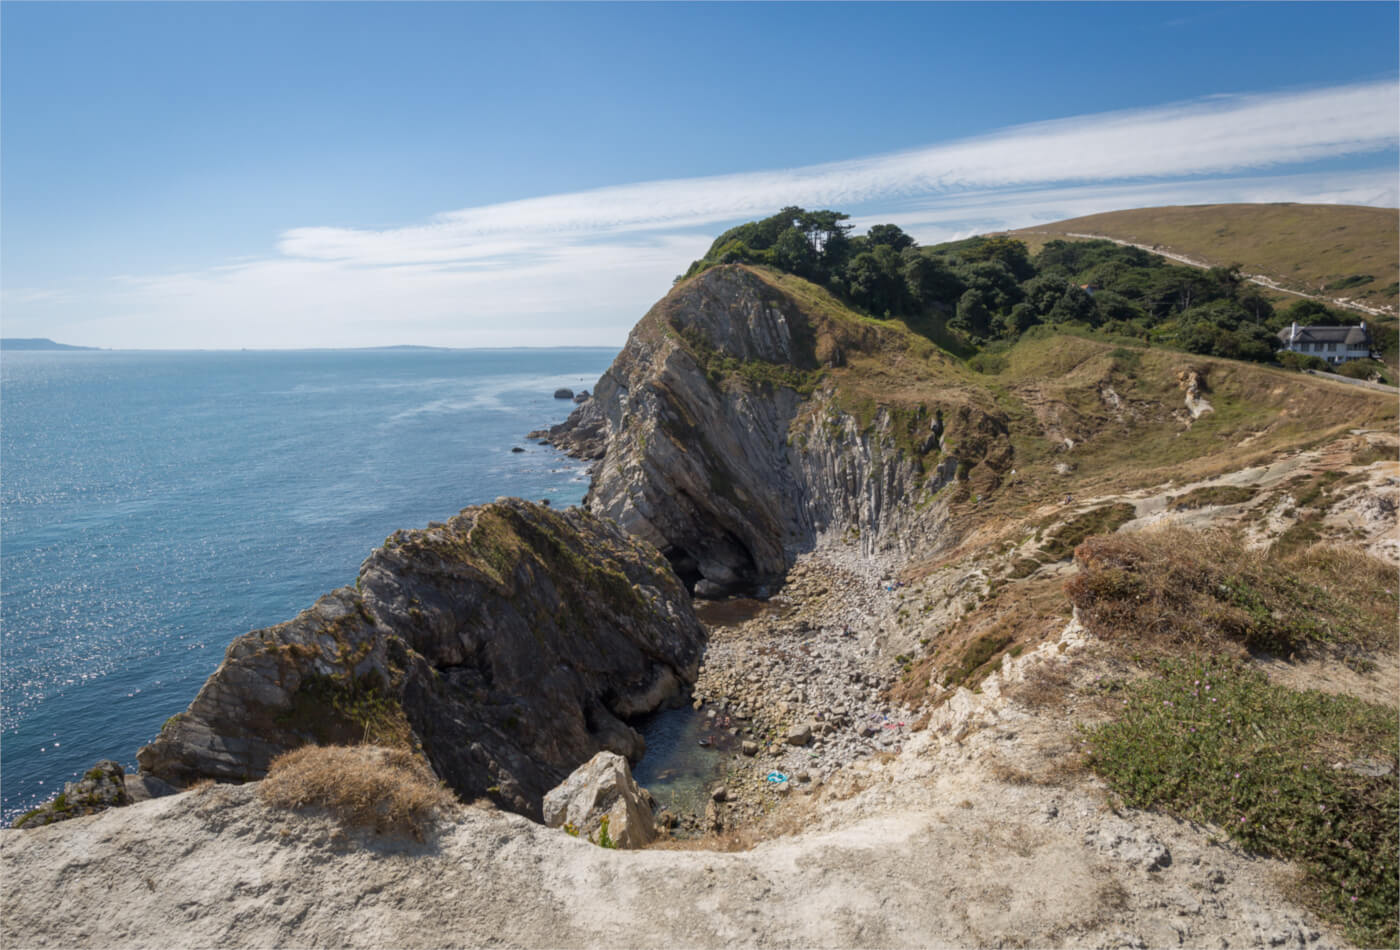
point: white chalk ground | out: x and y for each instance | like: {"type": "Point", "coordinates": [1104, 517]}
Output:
{"type": "Point", "coordinates": [951, 843]}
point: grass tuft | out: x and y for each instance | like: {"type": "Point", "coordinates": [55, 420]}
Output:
{"type": "Point", "coordinates": [1102, 520]}
{"type": "Point", "coordinates": [387, 790]}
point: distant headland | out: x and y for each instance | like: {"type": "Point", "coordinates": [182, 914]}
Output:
{"type": "Point", "coordinates": [38, 343]}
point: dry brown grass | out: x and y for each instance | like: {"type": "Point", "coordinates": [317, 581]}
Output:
{"type": "Point", "coordinates": [1014, 619]}
{"type": "Point", "coordinates": [388, 790]}
{"type": "Point", "coordinates": [1175, 586]}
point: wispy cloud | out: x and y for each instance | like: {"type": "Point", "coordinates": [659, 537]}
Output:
{"type": "Point", "coordinates": [1222, 134]}
{"type": "Point", "coordinates": [579, 267]}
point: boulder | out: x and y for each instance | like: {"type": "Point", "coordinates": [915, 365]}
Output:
{"type": "Point", "coordinates": [583, 397]}
{"type": "Point", "coordinates": [563, 393]}
{"type": "Point", "coordinates": [800, 734]}
{"type": "Point", "coordinates": [602, 789]}
{"type": "Point", "coordinates": [145, 787]}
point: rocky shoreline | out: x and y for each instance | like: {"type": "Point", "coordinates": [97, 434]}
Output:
{"type": "Point", "coordinates": [798, 686]}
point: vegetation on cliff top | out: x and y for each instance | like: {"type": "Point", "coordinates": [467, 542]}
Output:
{"type": "Point", "coordinates": [974, 297]}
{"type": "Point", "coordinates": [383, 789]}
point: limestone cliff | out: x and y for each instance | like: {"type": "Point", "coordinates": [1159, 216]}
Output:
{"type": "Point", "coordinates": [507, 644]}
{"type": "Point", "coordinates": [751, 414]}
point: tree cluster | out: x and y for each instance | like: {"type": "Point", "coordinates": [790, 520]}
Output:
{"type": "Point", "coordinates": [985, 289]}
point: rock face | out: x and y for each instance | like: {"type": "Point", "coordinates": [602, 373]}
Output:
{"type": "Point", "coordinates": [103, 787]}
{"type": "Point", "coordinates": [583, 435]}
{"type": "Point", "coordinates": [733, 437]}
{"type": "Point", "coordinates": [603, 788]}
{"type": "Point", "coordinates": [509, 644]}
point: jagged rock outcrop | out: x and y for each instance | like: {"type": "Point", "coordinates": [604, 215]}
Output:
{"type": "Point", "coordinates": [102, 787]}
{"type": "Point", "coordinates": [509, 644]}
{"type": "Point", "coordinates": [750, 415]}
{"type": "Point", "coordinates": [583, 435]}
{"type": "Point", "coordinates": [603, 803]}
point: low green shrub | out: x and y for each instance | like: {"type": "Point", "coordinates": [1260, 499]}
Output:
{"type": "Point", "coordinates": [1303, 776]}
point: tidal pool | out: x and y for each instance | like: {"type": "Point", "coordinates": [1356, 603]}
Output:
{"type": "Point", "coordinates": [686, 752]}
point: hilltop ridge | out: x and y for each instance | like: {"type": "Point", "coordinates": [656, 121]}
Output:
{"type": "Point", "coordinates": [1341, 253]}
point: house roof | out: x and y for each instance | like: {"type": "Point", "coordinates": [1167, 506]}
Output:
{"type": "Point", "coordinates": [1351, 336]}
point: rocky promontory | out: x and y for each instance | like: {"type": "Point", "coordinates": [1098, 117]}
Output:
{"type": "Point", "coordinates": [746, 419]}
{"type": "Point", "coordinates": [509, 644]}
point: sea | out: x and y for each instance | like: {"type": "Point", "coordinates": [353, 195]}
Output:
{"type": "Point", "coordinates": [154, 505]}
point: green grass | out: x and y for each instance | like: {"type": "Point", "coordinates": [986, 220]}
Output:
{"type": "Point", "coordinates": [1213, 741]}
{"type": "Point", "coordinates": [1102, 520]}
{"type": "Point", "coordinates": [976, 658]}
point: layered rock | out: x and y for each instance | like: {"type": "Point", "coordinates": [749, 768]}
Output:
{"type": "Point", "coordinates": [509, 644]}
{"type": "Point", "coordinates": [733, 437]}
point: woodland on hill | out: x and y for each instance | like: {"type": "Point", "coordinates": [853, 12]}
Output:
{"type": "Point", "coordinates": [976, 296]}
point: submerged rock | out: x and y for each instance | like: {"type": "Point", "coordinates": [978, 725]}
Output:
{"type": "Point", "coordinates": [602, 788]}
{"type": "Point", "coordinates": [509, 643]}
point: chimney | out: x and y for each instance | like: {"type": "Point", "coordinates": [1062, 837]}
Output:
{"type": "Point", "coordinates": [1293, 337]}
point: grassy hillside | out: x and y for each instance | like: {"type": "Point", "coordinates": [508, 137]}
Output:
{"type": "Point", "coordinates": [1111, 407]}
{"type": "Point", "coordinates": [1336, 251]}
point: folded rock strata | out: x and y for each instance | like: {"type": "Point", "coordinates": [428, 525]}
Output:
{"type": "Point", "coordinates": [508, 644]}
{"type": "Point", "coordinates": [733, 438]}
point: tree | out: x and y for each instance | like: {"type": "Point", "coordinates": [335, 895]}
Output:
{"type": "Point", "coordinates": [889, 235]}
{"type": "Point", "coordinates": [1074, 306]}
{"type": "Point", "coordinates": [876, 281]}
{"type": "Point", "coordinates": [929, 280]}
{"type": "Point", "coordinates": [1043, 292]}
{"type": "Point", "coordinates": [1004, 250]}
{"type": "Point", "coordinates": [973, 317]}
{"type": "Point", "coordinates": [795, 254]}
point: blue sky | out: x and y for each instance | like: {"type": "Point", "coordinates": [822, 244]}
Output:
{"type": "Point", "coordinates": [277, 174]}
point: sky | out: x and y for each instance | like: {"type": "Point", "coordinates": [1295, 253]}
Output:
{"type": "Point", "coordinates": [277, 175]}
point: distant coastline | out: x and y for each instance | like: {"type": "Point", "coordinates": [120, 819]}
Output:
{"type": "Point", "coordinates": [38, 343]}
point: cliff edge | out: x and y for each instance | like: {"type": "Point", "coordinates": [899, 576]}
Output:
{"type": "Point", "coordinates": [507, 644]}
{"type": "Point", "coordinates": [752, 414]}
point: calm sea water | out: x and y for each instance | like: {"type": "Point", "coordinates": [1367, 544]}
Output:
{"type": "Point", "coordinates": [153, 506]}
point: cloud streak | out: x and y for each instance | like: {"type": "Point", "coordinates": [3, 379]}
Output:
{"type": "Point", "coordinates": [580, 268]}
{"type": "Point", "coordinates": [1213, 136]}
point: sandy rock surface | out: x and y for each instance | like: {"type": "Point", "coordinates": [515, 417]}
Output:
{"type": "Point", "coordinates": [965, 838]}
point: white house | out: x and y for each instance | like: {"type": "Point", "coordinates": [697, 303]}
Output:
{"type": "Point", "coordinates": [1334, 344]}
